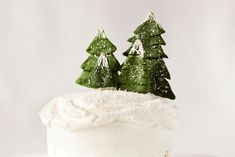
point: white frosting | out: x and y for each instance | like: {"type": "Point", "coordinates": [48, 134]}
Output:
{"type": "Point", "coordinates": [115, 140]}
{"type": "Point", "coordinates": [103, 61]}
{"type": "Point", "coordinates": [137, 47]}
{"type": "Point", "coordinates": [101, 33]}
{"type": "Point", "coordinates": [83, 110]}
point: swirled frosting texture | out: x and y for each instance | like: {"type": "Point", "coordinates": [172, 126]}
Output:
{"type": "Point", "coordinates": [82, 110]}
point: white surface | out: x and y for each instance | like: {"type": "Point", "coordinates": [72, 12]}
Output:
{"type": "Point", "coordinates": [112, 123]}
{"type": "Point", "coordinates": [78, 111]}
{"type": "Point", "coordinates": [43, 42]}
{"type": "Point", "coordinates": [115, 139]}
{"type": "Point", "coordinates": [176, 155]}
{"type": "Point", "coordinates": [32, 155]}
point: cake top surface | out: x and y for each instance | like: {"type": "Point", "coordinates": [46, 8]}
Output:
{"type": "Point", "coordinates": [83, 110]}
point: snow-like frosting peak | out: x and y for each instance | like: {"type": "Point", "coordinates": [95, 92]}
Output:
{"type": "Point", "coordinates": [101, 33]}
{"type": "Point", "coordinates": [137, 47]}
{"type": "Point", "coordinates": [102, 61]}
{"type": "Point", "coordinates": [74, 111]}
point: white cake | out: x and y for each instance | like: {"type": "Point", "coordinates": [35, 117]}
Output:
{"type": "Point", "coordinates": [109, 124]}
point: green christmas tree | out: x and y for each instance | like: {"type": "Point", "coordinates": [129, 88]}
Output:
{"type": "Point", "coordinates": [134, 72]}
{"type": "Point", "coordinates": [149, 32]}
{"type": "Point", "coordinates": [100, 45]}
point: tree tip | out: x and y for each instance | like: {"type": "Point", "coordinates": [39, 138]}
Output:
{"type": "Point", "coordinates": [101, 32]}
{"type": "Point", "coordinates": [150, 16]}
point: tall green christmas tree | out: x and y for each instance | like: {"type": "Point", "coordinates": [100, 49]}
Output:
{"type": "Point", "coordinates": [134, 72]}
{"type": "Point", "coordinates": [100, 45]}
{"type": "Point", "coordinates": [149, 32]}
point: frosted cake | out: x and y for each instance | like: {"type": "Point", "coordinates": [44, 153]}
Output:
{"type": "Point", "coordinates": [109, 123]}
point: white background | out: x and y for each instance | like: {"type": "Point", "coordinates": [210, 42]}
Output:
{"type": "Point", "coordinates": [43, 42]}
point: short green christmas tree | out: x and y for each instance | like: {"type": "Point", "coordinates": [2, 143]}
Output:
{"type": "Point", "coordinates": [134, 72]}
{"type": "Point", "coordinates": [149, 32]}
{"type": "Point", "coordinates": [93, 66]}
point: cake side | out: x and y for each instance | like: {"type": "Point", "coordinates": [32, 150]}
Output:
{"type": "Point", "coordinates": [116, 140]}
